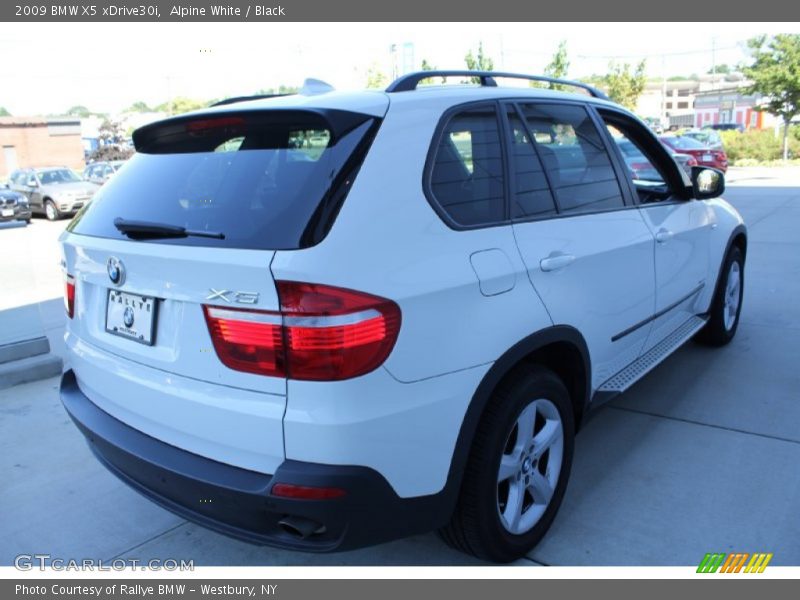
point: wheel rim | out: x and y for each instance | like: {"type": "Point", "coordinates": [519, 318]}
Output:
{"type": "Point", "coordinates": [50, 211]}
{"type": "Point", "coordinates": [732, 294]}
{"type": "Point", "coordinates": [530, 466]}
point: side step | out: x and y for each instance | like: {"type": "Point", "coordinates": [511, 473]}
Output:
{"type": "Point", "coordinates": [648, 361]}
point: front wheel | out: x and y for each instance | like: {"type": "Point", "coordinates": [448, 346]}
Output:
{"type": "Point", "coordinates": [50, 211]}
{"type": "Point", "coordinates": [723, 318]}
{"type": "Point", "coordinates": [518, 468]}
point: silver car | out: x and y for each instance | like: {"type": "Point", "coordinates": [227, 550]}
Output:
{"type": "Point", "coordinates": [53, 191]}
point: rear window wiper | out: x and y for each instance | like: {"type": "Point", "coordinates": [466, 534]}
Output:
{"type": "Point", "coordinates": [145, 230]}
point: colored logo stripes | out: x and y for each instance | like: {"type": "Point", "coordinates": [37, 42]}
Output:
{"type": "Point", "coordinates": [735, 562]}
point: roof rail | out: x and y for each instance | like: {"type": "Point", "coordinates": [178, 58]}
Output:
{"type": "Point", "coordinates": [409, 82]}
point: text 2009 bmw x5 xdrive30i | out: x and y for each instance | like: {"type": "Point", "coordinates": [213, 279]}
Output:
{"type": "Point", "coordinates": [329, 320]}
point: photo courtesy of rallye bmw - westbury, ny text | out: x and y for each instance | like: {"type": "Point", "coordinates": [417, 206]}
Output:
{"type": "Point", "coordinates": [138, 590]}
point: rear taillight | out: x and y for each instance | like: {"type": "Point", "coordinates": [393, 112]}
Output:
{"type": "Point", "coordinates": [691, 162]}
{"type": "Point", "coordinates": [321, 333]}
{"type": "Point", "coordinates": [69, 295]}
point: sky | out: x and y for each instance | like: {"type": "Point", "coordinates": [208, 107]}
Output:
{"type": "Point", "coordinates": [45, 68]}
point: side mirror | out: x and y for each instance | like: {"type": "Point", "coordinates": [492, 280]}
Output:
{"type": "Point", "coordinates": [32, 183]}
{"type": "Point", "coordinates": [707, 183]}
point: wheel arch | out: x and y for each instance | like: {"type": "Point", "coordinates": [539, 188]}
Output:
{"type": "Point", "coordinates": [738, 238]}
{"type": "Point", "coordinates": [560, 348]}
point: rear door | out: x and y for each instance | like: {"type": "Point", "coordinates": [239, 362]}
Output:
{"type": "Point", "coordinates": [588, 253]}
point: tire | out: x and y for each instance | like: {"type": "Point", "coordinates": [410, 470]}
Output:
{"type": "Point", "coordinates": [726, 306]}
{"type": "Point", "coordinates": [50, 211]}
{"type": "Point", "coordinates": [477, 526]}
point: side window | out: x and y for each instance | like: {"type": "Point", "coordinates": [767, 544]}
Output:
{"type": "Point", "coordinates": [652, 168]}
{"type": "Point", "coordinates": [639, 167]}
{"type": "Point", "coordinates": [574, 158]}
{"type": "Point", "coordinates": [467, 172]}
{"type": "Point", "coordinates": [530, 192]}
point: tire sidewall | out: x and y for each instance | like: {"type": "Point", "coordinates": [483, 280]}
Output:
{"type": "Point", "coordinates": [47, 205]}
{"type": "Point", "coordinates": [508, 546]}
{"type": "Point", "coordinates": [735, 255]}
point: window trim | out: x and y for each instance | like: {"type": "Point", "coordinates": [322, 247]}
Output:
{"type": "Point", "coordinates": [430, 160]}
{"type": "Point", "coordinates": [679, 194]}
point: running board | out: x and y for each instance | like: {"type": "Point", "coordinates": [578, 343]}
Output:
{"type": "Point", "coordinates": [648, 361]}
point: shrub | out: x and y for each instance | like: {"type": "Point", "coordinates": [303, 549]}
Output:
{"type": "Point", "coordinates": [757, 144]}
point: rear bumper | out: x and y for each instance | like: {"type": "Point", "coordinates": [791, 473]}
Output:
{"type": "Point", "coordinates": [238, 503]}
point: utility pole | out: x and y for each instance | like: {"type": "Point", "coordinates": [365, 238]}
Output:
{"type": "Point", "coordinates": [663, 90]}
{"type": "Point", "coordinates": [713, 62]}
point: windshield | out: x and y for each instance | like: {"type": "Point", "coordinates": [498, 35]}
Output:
{"type": "Point", "coordinates": [51, 176]}
{"type": "Point", "coordinates": [264, 182]}
{"type": "Point", "coordinates": [684, 143]}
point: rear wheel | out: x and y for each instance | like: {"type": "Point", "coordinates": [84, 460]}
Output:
{"type": "Point", "coordinates": [518, 468]}
{"type": "Point", "coordinates": [50, 211]}
{"type": "Point", "coordinates": [723, 318]}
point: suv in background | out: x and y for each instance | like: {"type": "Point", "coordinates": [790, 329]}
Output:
{"type": "Point", "coordinates": [53, 191]}
{"type": "Point", "coordinates": [100, 172]}
{"type": "Point", "coordinates": [13, 206]}
{"type": "Point", "coordinates": [328, 320]}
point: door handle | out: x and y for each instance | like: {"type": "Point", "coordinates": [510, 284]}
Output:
{"type": "Point", "coordinates": [556, 260]}
{"type": "Point", "coordinates": [663, 236]}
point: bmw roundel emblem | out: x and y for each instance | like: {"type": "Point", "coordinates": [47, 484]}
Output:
{"type": "Point", "coordinates": [127, 316]}
{"type": "Point", "coordinates": [116, 270]}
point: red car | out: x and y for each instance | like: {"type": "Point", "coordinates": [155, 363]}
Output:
{"type": "Point", "coordinates": [705, 156]}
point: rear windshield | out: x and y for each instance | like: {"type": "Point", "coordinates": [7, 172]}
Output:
{"type": "Point", "coordinates": [264, 180]}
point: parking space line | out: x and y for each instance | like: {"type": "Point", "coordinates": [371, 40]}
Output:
{"type": "Point", "coordinates": [701, 424]}
{"type": "Point", "coordinates": [148, 540]}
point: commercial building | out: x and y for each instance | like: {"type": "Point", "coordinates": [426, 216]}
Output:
{"type": "Point", "coordinates": [39, 142]}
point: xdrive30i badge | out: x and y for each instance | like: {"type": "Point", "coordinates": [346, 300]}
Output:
{"type": "Point", "coordinates": [116, 270]}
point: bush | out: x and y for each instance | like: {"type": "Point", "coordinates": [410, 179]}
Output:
{"type": "Point", "coordinates": [758, 145]}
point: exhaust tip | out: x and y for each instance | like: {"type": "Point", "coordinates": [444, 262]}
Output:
{"type": "Point", "coordinates": [300, 527]}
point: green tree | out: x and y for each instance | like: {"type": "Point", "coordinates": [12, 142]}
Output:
{"type": "Point", "coordinates": [721, 70]}
{"type": "Point", "coordinates": [79, 111]}
{"type": "Point", "coordinates": [556, 68]}
{"type": "Point", "coordinates": [624, 84]}
{"type": "Point", "coordinates": [111, 136]}
{"type": "Point", "coordinates": [4, 112]}
{"type": "Point", "coordinates": [376, 78]}
{"type": "Point", "coordinates": [775, 74]}
{"type": "Point", "coordinates": [139, 107]}
{"type": "Point", "coordinates": [180, 105]}
{"type": "Point", "coordinates": [479, 61]}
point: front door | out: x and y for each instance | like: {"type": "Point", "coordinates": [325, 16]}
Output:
{"type": "Point", "coordinates": [588, 253]}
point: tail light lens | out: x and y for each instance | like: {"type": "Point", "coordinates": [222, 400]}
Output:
{"type": "Point", "coordinates": [322, 333]}
{"type": "Point", "coordinates": [692, 161]}
{"type": "Point", "coordinates": [69, 295]}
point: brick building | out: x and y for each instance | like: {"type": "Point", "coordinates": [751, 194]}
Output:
{"type": "Point", "coordinates": [39, 142]}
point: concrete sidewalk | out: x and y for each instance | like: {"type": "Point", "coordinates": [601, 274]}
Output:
{"type": "Point", "coordinates": [700, 456]}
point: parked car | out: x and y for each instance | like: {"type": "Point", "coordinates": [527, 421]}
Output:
{"type": "Point", "coordinates": [727, 127]}
{"type": "Point", "coordinates": [100, 172]}
{"type": "Point", "coordinates": [366, 344]}
{"type": "Point", "coordinates": [707, 137]}
{"type": "Point", "coordinates": [705, 156]}
{"type": "Point", "coordinates": [13, 206]}
{"type": "Point", "coordinates": [641, 167]}
{"type": "Point", "coordinates": [53, 191]}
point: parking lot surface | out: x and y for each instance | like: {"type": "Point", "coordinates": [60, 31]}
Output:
{"type": "Point", "coordinates": [700, 456]}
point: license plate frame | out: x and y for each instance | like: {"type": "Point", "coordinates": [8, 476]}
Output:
{"type": "Point", "coordinates": [708, 157]}
{"type": "Point", "coordinates": [144, 311]}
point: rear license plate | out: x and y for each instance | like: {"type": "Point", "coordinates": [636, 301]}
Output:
{"type": "Point", "coordinates": [8, 212]}
{"type": "Point", "coordinates": [131, 316]}
{"type": "Point", "coordinates": [707, 158]}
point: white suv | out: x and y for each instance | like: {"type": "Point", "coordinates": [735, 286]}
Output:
{"type": "Point", "coordinates": [329, 320]}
